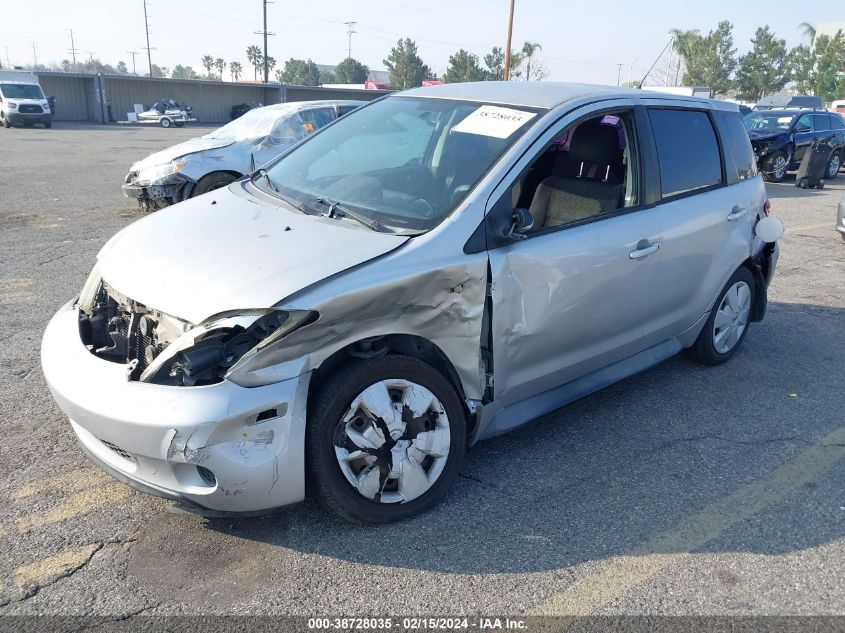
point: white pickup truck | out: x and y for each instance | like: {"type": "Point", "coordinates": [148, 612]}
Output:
{"type": "Point", "coordinates": [22, 102]}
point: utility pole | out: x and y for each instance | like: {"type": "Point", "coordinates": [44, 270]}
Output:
{"type": "Point", "coordinates": [133, 53]}
{"type": "Point", "coordinates": [506, 73]}
{"type": "Point", "coordinates": [34, 55]}
{"type": "Point", "coordinates": [72, 50]}
{"type": "Point", "coordinates": [631, 70]}
{"type": "Point", "coordinates": [91, 56]}
{"type": "Point", "coordinates": [147, 29]}
{"type": "Point", "coordinates": [8, 63]}
{"type": "Point", "coordinates": [618, 74]}
{"type": "Point", "coordinates": [349, 32]}
{"type": "Point", "coordinates": [265, 33]}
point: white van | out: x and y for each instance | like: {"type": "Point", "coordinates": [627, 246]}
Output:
{"type": "Point", "coordinates": [22, 102]}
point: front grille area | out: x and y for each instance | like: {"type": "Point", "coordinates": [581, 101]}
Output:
{"type": "Point", "coordinates": [28, 108]}
{"type": "Point", "coordinates": [123, 331]}
{"type": "Point", "coordinates": [119, 451]}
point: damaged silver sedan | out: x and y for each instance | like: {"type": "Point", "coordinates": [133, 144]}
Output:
{"type": "Point", "coordinates": [436, 268]}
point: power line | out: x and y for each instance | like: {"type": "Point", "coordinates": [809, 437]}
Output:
{"type": "Point", "coordinates": [349, 32]}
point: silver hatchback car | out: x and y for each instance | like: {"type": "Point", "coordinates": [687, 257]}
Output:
{"type": "Point", "coordinates": [438, 267]}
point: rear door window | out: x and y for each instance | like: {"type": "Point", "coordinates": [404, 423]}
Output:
{"type": "Point", "coordinates": [836, 122]}
{"type": "Point", "coordinates": [821, 122]}
{"type": "Point", "coordinates": [739, 157]}
{"type": "Point", "coordinates": [687, 150]}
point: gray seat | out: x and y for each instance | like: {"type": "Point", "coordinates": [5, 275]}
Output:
{"type": "Point", "coordinates": [560, 200]}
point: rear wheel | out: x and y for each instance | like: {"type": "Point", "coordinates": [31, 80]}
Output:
{"type": "Point", "coordinates": [165, 122]}
{"type": "Point", "coordinates": [48, 125]}
{"type": "Point", "coordinates": [178, 123]}
{"type": "Point", "coordinates": [833, 166]}
{"type": "Point", "coordinates": [776, 167]}
{"type": "Point", "coordinates": [213, 181]}
{"type": "Point", "coordinates": [728, 322]}
{"type": "Point", "coordinates": [384, 440]}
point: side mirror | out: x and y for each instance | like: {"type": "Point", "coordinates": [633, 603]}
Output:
{"type": "Point", "coordinates": [769, 229]}
{"type": "Point", "coordinates": [521, 222]}
{"type": "Point", "coordinates": [802, 128]}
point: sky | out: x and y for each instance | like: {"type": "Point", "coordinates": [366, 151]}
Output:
{"type": "Point", "coordinates": [582, 40]}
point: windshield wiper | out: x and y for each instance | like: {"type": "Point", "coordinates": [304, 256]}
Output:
{"type": "Point", "coordinates": [336, 209]}
{"type": "Point", "coordinates": [262, 173]}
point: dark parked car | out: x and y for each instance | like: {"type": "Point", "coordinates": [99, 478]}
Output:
{"type": "Point", "coordinates": [780, 138]}
{"type": "Point", "coordinates": [778, 102]}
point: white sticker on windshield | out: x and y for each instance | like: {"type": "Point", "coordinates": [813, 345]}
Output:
{"type": "Point", "coordinates": [493, 121]}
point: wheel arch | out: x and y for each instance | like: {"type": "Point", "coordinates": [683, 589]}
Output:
{"type": "Point", "coordinates": [232, 172]}
{"type": "Point", "coordinates": [409, 345]}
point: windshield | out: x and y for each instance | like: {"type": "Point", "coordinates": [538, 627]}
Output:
{"type": "Point", "coordinates": [258, 123]}
{"type": "Point", "coordinates": [404, 162]}
{"type": "Point", "coordinates": [21, 91]}
{"type": "Point", "coordinates": [768, 122]}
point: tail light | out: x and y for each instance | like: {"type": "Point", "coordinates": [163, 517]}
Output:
{"type": "Point", "coordinates": [767, 206]}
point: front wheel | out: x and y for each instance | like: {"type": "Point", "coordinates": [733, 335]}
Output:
{"type": "Point", "coordinates": [384, 440]}
{"type": "Point", "coordinates": [728, 322]}
{"type": "Point", "coordinates": [165, 122]}
{"type": "Point", "coordinates": [833, 166]}
{"type": "Point", "coordinates": [213, 181]}
{"type": "Point", "coordinates": [776, 167]}
{"type": "Point", "coordinates": [5, 121]}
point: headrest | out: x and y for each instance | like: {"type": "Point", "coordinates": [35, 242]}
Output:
{"type": "Point", "coordinates": [595, 144]}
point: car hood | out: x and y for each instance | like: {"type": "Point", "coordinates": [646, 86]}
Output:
{"type": "Point", "coordinates": [199, 144]}
{"type": "Point", "coordinates": [225, 251]}
{"type": "Point", "coordinates": [762, 135]}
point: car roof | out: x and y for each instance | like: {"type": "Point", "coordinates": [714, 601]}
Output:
{"type": "Point", "coordinates": [538, 94]}
{"type": "Point", "coordinates": [294, 106]}
{"type": "Point", "coordinates": [789, 111]}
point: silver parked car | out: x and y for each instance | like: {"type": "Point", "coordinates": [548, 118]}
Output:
{"type": "Point", "coordinates": [438, 267]}
{"type": "Point", "coordinates": [219, 158]}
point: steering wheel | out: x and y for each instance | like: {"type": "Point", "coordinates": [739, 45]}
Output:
{"type": "Point", "coordinates": [423, 207]}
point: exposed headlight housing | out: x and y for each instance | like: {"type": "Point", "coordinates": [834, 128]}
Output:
{"type": "Point", "coordinates": [12, 105]}
{"type": "Point", "coordinates": [156, 172]}
{"type": "Point", "coordinates": [206, 353]}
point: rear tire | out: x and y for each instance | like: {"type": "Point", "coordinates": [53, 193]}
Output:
{"type": "Point", "coordinates": [210, 182]}
{"type": "Point", "coordinates": [332, 424]}
{"type": "Point", "coordinates": [47, 126]}
{"type": "Point", "coordinates": [165, 122]}
{"type": "Point", "coordinates": [728, 323]}
{"type": "Point", "coordinates": [178, 123]}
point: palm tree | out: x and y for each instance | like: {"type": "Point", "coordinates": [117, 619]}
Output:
{"type": "Point", "coordinates": [220, 65]}
{"type": "Point", "coordinates": [236, 69]}
{"type": "Point", "coordinates": [271, 63]}
{"type": "Point", "coordinates": [253, 54]}
{"type": "Point", "coordinates": [207, 62]}
{"type": "Point", "coordinates": [808, 30]}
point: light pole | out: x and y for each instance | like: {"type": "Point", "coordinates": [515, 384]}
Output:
{"type": "Point", "coordinates": [506, 72]}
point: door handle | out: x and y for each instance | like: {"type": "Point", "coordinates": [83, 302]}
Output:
{"type": "Point", "coordinates": [736, 213]}
{"type": "Point", "coordinates": [643, 251]}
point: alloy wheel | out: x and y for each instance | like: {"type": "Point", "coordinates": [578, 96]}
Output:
{"type": "Point", "coordinates": [833, 166]}
{"type": "Point", "coordinates": [732, 317]}
{"type": "Point", "coordinates": [393, 442]}
{"type": "Point", "coordinates": [779, 167]}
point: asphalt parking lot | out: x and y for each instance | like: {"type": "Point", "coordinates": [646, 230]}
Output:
{"type": "Point", "coordinates": [685, 490]}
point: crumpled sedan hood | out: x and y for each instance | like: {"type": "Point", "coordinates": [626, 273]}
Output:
{"type": "Point", "coordinates": [192, 146]}
{"type": "Point", "coordinates": [763, 135]}
{"type": "Point", "coordinates": [223, 251]}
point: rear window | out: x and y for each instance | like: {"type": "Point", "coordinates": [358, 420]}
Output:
{"type": "Point", "coordinates": [739, 157]}
{"type": "Point", "coordinates": [822, 122]}
{"type": "Point", "coordinates": [836, 122]}
{"type": "Point", "coordinates": [687, 150]}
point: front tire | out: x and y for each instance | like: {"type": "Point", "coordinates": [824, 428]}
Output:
{"type": "Point", "coordinates": [165, 122]}
{"type": "Point", "coordinates": [213, 181]}
{"type": "Point", "coordinates": [776, 167]}
{"type": "Point", "coordinates": [384, 440]}
{"type": "Point", "coordinates": [728, 323]}
{"type": "Point", "coordinates": [5, 121]}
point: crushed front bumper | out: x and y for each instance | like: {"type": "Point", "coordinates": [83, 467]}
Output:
{"type": "Point", "coordinates": [221, 447]}
{"type": "Point", "coordinates": [171, 190]}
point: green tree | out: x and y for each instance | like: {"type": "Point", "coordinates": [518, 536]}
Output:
{"type": "Point", "coordinates": [255, 58]}
{"type": "Point", "coordinates": [271, 63]}
{"type": "Point", "coordinates": [463, 66]}
{"type": "Point", "coordinates": [208, 64]}
{"type": "Point", "coordinates": [220, 65]}
{"type": "Point", "coordinates": [157, 71]}
{"type": "Point", "coordinates": [236, 70]}
{"type": "Point", "coordinates": [121, 68]}
{"type": "Point", "coordinates": [533, 68]}
{"type": "Point", "coordinates": [183, 72]}
{"type": "Point", "coordinates": [405, 65]}
{"type": "Point", "coordinates": [300, 73]}
{"type": "Point", "coordinates": [350, 71]}
{"type": "Point", "coordinates": [801, 61]}
{"type": "Point", "coordinates": [764, 69]}
{"type": "Point", "coordinates": [327, 77]}
{"type": "Point", "coordinates": [710, 59]}
{"type": "Point", "coordinates": [829, 53]}
{"type": "Point", "coordinates": [495, 64]}
{"type": "Point", "coordinates": [808, 30]}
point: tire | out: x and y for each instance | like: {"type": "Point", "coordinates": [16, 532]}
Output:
{"type": "Point", "coordinates": [213, 181]}
{"type": "Point", "coordinates": [47, 126]}
{"type": "Point", "coordinates": [165, 122]}
{"type": "Point", "coordinates": [705, 349]}
{"type": "Point", "coordinates": [328, 444]}
{"type": "Point", "coordinates": [776, 167]}
{"type": "Point", "coordinates": [5, 121]}
{"type": "Point", "coordinates": [178, 123]}
{"type": "Point", "coordinates": [833, 166]}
